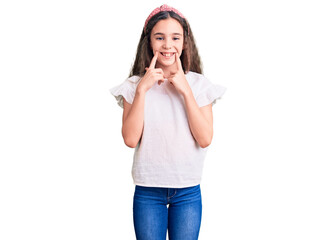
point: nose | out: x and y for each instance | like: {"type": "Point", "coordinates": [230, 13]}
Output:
{"type": "Point", "coordinates": [167, 44]}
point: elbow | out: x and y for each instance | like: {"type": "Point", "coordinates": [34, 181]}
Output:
{"type": "Point", "coordinates": [205, 143]}
{"type": "Point", "coordinates": [129, 139]}
{"type": "Point", "coordinates": [130, 142]}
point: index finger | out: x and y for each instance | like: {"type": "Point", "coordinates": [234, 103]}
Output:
{"type": "Point", "coordinates": [178, 62]}
{"type": "Point", "coordinates": [153, 62]}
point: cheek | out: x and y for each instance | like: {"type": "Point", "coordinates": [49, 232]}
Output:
{"type": "Point", "coordinates": [155, 47]}
{"type": "Point", "coordinates": [152, 44]}
{"type": "Point", "coordinates": [180, 46]}
{"type": "Point", "coordinates": [179, 49]}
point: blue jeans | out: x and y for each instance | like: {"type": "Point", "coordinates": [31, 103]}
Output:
{"type": "Point", "coordinates": [156, 210]}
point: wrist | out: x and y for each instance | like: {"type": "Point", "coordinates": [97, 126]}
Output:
{"type": "Point", "coordinates": [140, 90]}
{"type": "Point", "coordinates": [187, 93]}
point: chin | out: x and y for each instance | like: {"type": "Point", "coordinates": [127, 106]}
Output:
{"type": "Point", "coordinates": [167, 63]}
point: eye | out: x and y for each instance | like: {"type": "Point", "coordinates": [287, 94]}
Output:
{"type": "Point", "coordinates": [176, 38]}
{"type": "Point", "coordinates": [159, 38]}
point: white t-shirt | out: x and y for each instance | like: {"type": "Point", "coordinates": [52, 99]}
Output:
{"type": "Point", "coordinates": [167, 154]}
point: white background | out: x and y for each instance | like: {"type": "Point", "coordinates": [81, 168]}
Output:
{"type": "Point", "coordinates": [65, 172]}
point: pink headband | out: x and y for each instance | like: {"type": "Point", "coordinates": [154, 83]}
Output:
{"type": "Point", "coordinates": [163, 8]}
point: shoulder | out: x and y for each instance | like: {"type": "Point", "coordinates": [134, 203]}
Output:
{"type": "Point", "coordinates": [204, 90]}
{"type": "Point", "coordinates": [133, 79]}
{"type": "Point", "coordinates": [131, 82]}
{"type": "Point", "coordinates": [197, 81]}
{"type": "Point", "coordinates": [194, 75]}
{"type": "Point", "coordinates": [125, 90]}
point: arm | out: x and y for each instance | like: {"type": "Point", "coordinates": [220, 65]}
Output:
{"type": "Point", "coordinates": [200, 120]}
{"type": "Point", "coordinates": [133, 119]}
{"type": "Point", "coordinates": [133, 115]}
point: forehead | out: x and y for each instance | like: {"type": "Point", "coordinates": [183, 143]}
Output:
{"type": "Point", "coordinates": [167, 26]}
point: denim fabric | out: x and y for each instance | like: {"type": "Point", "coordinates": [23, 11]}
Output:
{"type": "Point", "coordinates": [156, 210]}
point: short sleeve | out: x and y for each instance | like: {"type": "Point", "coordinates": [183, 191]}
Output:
{"type": "Point", "coordinates": [126, 90]}
{"type": "Point", "coordinates": [209, 93]}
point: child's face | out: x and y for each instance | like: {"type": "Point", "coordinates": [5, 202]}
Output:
{"type": "Point", "coordinates": [167, 39]}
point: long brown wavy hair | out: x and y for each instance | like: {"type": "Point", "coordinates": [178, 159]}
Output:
{"type": "Point", "coordinates": [190, 58]}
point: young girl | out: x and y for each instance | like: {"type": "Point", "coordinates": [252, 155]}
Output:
{"type": "Point", "coordinates": [167, 118]}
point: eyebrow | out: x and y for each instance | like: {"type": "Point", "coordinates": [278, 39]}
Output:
{"type": "Point", "coordinates": [158, 33]}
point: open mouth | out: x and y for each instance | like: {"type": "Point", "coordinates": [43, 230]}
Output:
{"type": "Point", "coordinates": [167, 54]}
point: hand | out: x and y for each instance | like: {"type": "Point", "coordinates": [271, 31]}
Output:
{"type": "Point", "coordinates": [152, 75]}
{"type": "Point", "coordinates": [178, 79]}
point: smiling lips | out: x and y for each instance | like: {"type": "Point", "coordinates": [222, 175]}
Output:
{"type": "Point", "coordinates": [167, 54]}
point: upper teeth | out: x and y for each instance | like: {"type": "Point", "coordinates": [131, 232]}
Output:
{"type": "Point", "coordinates": [167, 54]}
